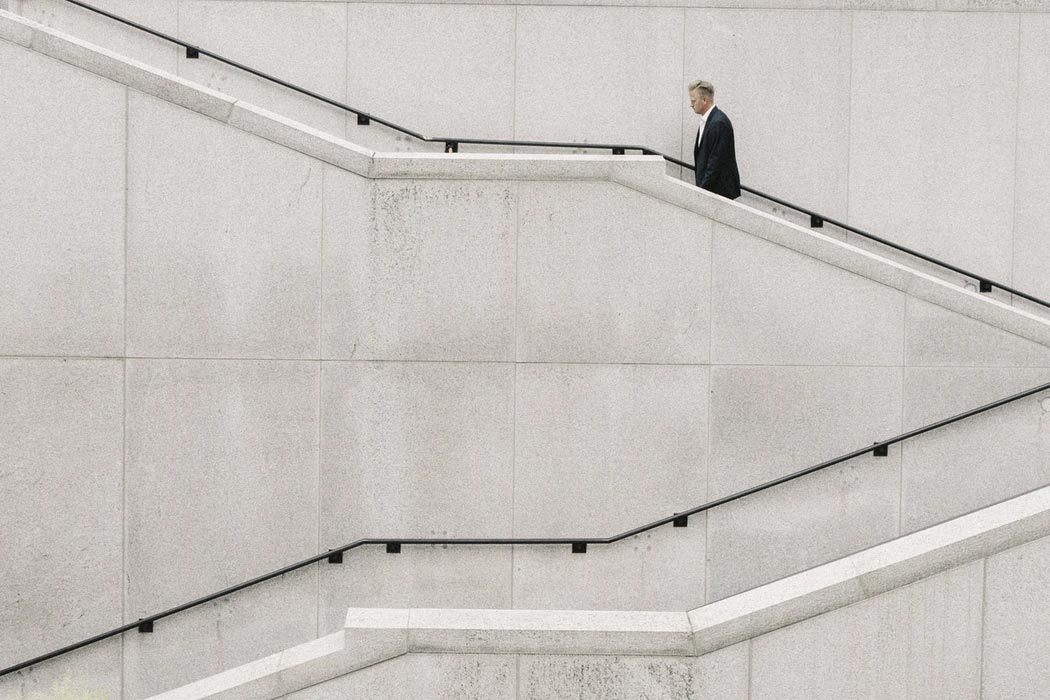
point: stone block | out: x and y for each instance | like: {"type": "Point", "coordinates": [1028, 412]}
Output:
{"type": "Point", "coordinates": [938, 337]}
{"type": "Point", "coordinates": [222, 465]}
{"type": "Point", "coordinates": [598, 53]}
{"type": "Point", "coordinates": [224, 240]}
{"type": "Point", "coordinates": [92, 673]}
{"type": "Point", "coordinates": [1031, 260]}
{"type": "Point", "coordinates": [659, 570]}
{"type": "Point", "coordinates": [606, 274]}
{"type": "Point", "coordinates": [300, 43]}
{"type": "Point", "coordinates": [420, 576]}
{"type": "Point", "coordinates": [935, 171]}
{"type": "Point", "coordinates": [161, 15]}
{"type": "Point", "coordinates": [61, 467]}
{"type": "Point", "coordinates": [794, 526]}
{"type": "Point", "coordinates": [773, 306]}
{"type": "Point", "coordinates": [604, 448]}
{"type": "Point", "coordinates": [437, 69]}
{"type": "Point", "coordinates": [977, 461]}
{"type": "Point", "coordinates": [424, 676]}
{"type": "Point", "coordinates": [802, 159]}
{"type": "Point", "coordinates": [719, 676]}
{"type": "Point", "coordinates": [923, 640]}
{"type": "Point", "coordinates": [1015, 623]}
{"type": "Point", "coordinates": [62, 153]}
{"type": "Point", "coordinates": [215, 637]}
{"type": "Point", "coordinates": [419, 270]}
{"type": "Point", "coordinates": [770, 421]}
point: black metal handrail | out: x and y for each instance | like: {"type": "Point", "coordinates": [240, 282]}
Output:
{"type": "Point", "coordinates": [985, 284]}
{"type": "Point", "coordinates": [578, 544]}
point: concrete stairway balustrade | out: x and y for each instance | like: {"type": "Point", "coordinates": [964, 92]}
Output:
{"type": "Point", "coordinates": [234, 341]}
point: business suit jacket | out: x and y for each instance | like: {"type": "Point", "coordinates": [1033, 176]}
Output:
{"type": "Point", "coordinates": [715, 156]}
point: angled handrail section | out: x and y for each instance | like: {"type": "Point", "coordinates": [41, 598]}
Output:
{"type": "Point", "coordinates": [578, 544]}
{"type": "Point", "coordinates": [452, 143]}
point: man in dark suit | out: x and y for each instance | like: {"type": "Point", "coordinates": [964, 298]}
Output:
{"type": "Point", "coordinates": [714, 150]}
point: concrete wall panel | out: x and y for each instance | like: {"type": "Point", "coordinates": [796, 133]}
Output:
{"type": "Point", "coordinates": [774, 306]}
{"type": "Point", "coordinates": [789, 101]}
{"type": "Point", "coordinates": [934, 101]}
{"type": "Point", "coordinates": [224, 239]}
{"type": "Point", "coordinates": [93, 673]}
{"type": "Point", "coordinates": [978, 461]}
{"type": "Point", "coordinates": [420, 576]}
{"type": "Point", "coordinates": [923, 640]}
{"type": "Point", "coordinates": [1031, 254]}
{"type": "Point", "coordinates": [609, 275]}
{"type": "Point", "coordinates": [437, 69]}
{"type": "Point", "coordinates": [937, 337]}
{"type": "Point", "coordinates": [719, 676]}
{"type": "Point", "coordinates": [61, 467]}
{"type": "Point", "coordinates": [1016, 621]}
{"type": "Point", "coordinates": [416, 450]}
{"type": "Point", "coordinates": [801, 524]}
{"type": "Point", "coordinates": [301, 43]}
{"type": "Point", "coordinates": [619, 75]}
{"type": "Point", "coordinates": [770, 421]}
{"type": "Point", "coordinates": [659, 570]}
{"type": "Point", "coordinates": [425, 677]}
{"type": "Point", "coordinates": [419, 270]}
{"type": "Point", "coordinates": [222, 466]}
{"type": "Point", "coordinates": [263, 620]}
{"type": "Point", "coordinates": [61, 209]}
{"type": "Point", "coordinates": [598, 447]}
{"type": "Point", "coordinates": [161, 15]}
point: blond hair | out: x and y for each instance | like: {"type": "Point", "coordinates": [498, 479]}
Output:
{"type": "Point", "coordinates": [703, 87]}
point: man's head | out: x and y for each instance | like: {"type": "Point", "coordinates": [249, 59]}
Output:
{"type": "Point", "coordinates": [701, 96]}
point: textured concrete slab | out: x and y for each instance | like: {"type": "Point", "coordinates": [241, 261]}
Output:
{"type": "Point", "coordinates": [430, 445]}
{"type": "Point", "coordinates": [802, 158]}
{"type": "Point", "coordinates": [660, 570]}
{"type": "Point", "coordinates": [647, 55]}
{"type": "Point", "coordinates": [628, 282]}
{"type": "Point", "coordinates": [61, 466]}
{"type": "Point", "coordinates": [420, 576]}
{"type": "Point", "coordinates": [770, 421]}
{"type": "Point", "coordinates": [962, 168]}
{"type": "Point", "coordinates": [162, 15]}
{"type": "Point", "coordinates": [980, 461]}
{"type": "Point", "coordinates": [1016, 618]}
{"type": "Point", "coordinates": [224, 240]}
{"type": "Point", "coordinates": [938, 337]}
{"type": "Point", "coordinates": [419, 270]}
{"type": "Point", "coordinates": [922, 639]}
{"type": "Point", "coordinates": [301, 43]}
{"type": "Point", "coordinates": [1031, 259]}
{"type": "Point", "coordinates": [94, 672]}
{"type": "Point", "coordinates": [432, 676]}
{"type": "Point", "coordinates": [437, 69]}
{"type": "Point", "coordinates": [206, 443]}
{"type": "Point", "coordinates": [197, 644]}
{"type": "Point", "coordinates": [772, 306]}
{"type": "Point", "coordinates": [722, 676]}
{"type": "Point", "coordinates": [802, 524]}
{"type": "Point", "coordinates": [61, 274]}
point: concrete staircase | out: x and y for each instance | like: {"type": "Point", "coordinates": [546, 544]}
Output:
{"type": "Point", "coordinates": [468, 345]}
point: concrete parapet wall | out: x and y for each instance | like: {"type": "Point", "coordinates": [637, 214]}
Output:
{"type": "Point", "coordinates": [236, 342]}
{"type": "Point", "coordinates": [926, 615]}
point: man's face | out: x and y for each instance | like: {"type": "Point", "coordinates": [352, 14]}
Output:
{"type": "Point", "coordinates": [698, 102]}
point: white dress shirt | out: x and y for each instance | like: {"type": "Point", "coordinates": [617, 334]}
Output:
{"type": "Point", "coordinates": [703, 125]}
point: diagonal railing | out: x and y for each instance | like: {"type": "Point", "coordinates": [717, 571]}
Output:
{"type": "Point", "coordinates": [984, 284]}
{"type": "Point", "coordinates": [579, 544]}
